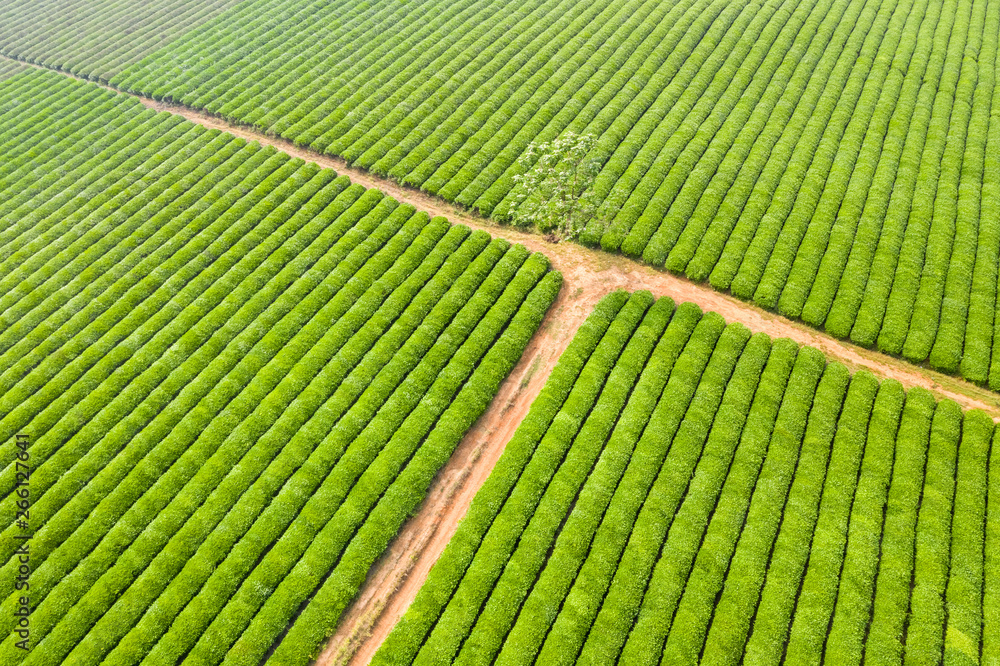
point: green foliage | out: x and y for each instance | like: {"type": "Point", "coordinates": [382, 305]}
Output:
{"type": "Point", "coordinates": [991, 564]}
{"type": "Point", "coordinates": [925, 633]}
{"type": "Point", "coordinates": [896, 560]}
{"type": "Point", "coordinates": [815, 605]}
{"type": "Point", "coordinates": [552, 192]}
{"type": "Point", "coordinates": [772, 618]}
{"type": "Point", "coordinates": [831, 161]}
{"type": "Point", "coordinates": [853, 609]}
{"type": "Point", "coordinates": [964, 595]}
{"type": "Point", "coordinates": [242, 372]}
{"type": "Point", "coordinates": [402, 645]}
{"type": "Point", "coordinates": [75, 37]}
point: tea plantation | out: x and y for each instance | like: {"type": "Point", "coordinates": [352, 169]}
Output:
{"type": "Point", "coordinates": [835, 161]}
{"type": "Point", "coordinates": [683, 491]}
{"type": "Point", "coordinates": [239, 373]}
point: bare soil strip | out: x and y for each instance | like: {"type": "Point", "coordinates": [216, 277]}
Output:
{"type": "Point", "coordinates": [596, 273]}
{"type": "Point", "coordinates": [589, 275]}
{"type": "Point", "coordinates": [396, 578]}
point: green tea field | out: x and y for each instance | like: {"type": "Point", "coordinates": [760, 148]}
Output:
{"type": "Point", "coordinates": [833, 161]}
{"type": "Point", "coordinates": [239, 372]}
{"type": "Point", "coordinates": [351, 332]}
{"type": "Point", "coordinates": [685, 491]}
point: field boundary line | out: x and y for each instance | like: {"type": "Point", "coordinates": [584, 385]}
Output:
{"type": "Point", "coordinates": [598, 273]}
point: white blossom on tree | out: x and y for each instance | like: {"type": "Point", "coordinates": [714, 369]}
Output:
{"type": "Point", "coordinates": [553, 191]}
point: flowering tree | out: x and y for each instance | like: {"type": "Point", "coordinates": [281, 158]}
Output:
{"type": "Point", "coordinates": [553, 191]}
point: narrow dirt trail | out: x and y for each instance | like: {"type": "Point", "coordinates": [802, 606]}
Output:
{"type": "Point", "coordinates": [394, 582]}
{"type": "Point", "coordinates": [596, 273]}
{"type": "Point", "coordinates": [589, 275]}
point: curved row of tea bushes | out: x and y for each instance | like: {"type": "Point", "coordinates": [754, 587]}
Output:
{"type": "Point", "coordinates": [97, 38]}
{"type": "Point", "coordinates": [684, 491]}
{"type": "Point", "coordinates": [240, 374]}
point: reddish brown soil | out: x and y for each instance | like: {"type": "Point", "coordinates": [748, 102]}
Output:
{"type": "Point", "coordinates": [589, 275]}
{"type": "Point", "coordinates": [595, 273]}
{"type": "Point", "coordinates": [397, 577]}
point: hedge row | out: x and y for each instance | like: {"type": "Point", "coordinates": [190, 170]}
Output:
{"type": "Point", "coordinates": [97, 39]}
{"type": "Point", "coordinates": [551, 480]}
{"type": "Point", "coordinates": [790, 551]}
{"type": "Point", "coordinates": [409, 634]}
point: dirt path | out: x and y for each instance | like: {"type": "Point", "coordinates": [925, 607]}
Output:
{"type": "Point", "coordinates": [595, 273]}
{"type": "Point", "coordinates": [589, 275]}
